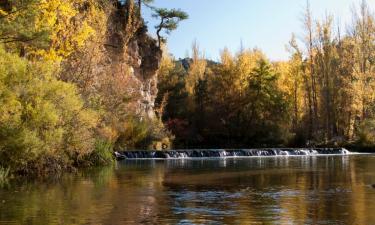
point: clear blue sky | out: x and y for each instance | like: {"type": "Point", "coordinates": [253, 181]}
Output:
{"type": "Point", "coordinates": [266, 24]}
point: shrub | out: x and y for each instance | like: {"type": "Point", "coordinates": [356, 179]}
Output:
{"type": "Point", "coordinates": [40, 116]}
{"type": "Point", "coordinates": [102, 154]}
{"type": "Point", "coordinates": [4, 173]}
{"type": "Point", "coordinates": [366, 133]}
{"type": "Point", "coordinates": [142, 134]}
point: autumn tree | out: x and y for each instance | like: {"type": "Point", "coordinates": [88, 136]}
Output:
{"type": "Point", "coordinates": [309, 71]}
{"type": "Point", "coordinates": [197, 68]}
{"type": "Point", "coordinates": [294, 81]}
{"type": "Point", "coordinates": [363, 33]}
{"type": "Point", "coordinates": [326, 67]}
{"type": "Point", "coordinates": [348, 96]}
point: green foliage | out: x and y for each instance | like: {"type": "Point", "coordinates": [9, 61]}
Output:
{"type": "Point", "coordinates": [102, 154]}
{"type": "Point", "coordinates": [40, 116]}
{"type": "Point", "coordinates": [169, 19]}
{"type": "Point", "coordinates": [4, 174]}
{"type": "Point", "coordinates": [15, 29]}
{"type": "Point", "coordinates": [221, 101]}
{"type": "Point", "coordinates": [49, 29]}
{"type": "Point", "coordinates": [141, 133]}
{"type": "Point", "coordinates": [53, 117]}
{"type": "Point", "coordinates": [133, 132]}
{"type": "Point", "coordinates": [267, 108]}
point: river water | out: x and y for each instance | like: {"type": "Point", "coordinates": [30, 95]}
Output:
{"type": "Point", "coordinates": [259, 190]}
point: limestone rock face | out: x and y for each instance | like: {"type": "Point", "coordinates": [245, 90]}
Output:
{"type": "Point", "coordinates": [121, 62]}
{"type": "Point", "coordinates": [144, 59]}
{"type": "Point", "coordinates": [138, 52]}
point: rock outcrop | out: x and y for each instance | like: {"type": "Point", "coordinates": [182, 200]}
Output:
{"type": "Point", "coordinates": [132, 48]}
{"type": "Point", "coordinates": [122, 60]}
{"type": "Point", "coordinates": [144, 57]}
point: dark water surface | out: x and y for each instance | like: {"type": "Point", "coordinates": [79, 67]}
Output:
{"type": "Point", "coordinates": [270, 190]}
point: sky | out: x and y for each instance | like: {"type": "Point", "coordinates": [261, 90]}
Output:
{"type": "Point", "coordinates": [264, 24]}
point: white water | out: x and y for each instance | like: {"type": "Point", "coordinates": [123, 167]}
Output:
{"type": "Point", "coordinates": [232, 153]}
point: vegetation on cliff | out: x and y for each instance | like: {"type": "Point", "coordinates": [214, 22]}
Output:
{"type": "Point", "coordinates": [77, 80]}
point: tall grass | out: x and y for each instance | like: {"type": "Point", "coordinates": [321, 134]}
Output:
{"type": "Point", "coordinates": [102, 154]}
{"type": "Point", "coordinates": [4, 174]}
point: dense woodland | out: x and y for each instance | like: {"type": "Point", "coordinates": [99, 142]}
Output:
{"type": "Point", "coordinates": [323, 96]}
{"type": "Point", "coordinates": [58, 112]}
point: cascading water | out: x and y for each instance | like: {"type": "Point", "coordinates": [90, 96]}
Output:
{"type": "Point", "coordinates": [222, 153]}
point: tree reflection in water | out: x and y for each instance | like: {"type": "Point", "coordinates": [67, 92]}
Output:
{"type": "Point", "coordinates": [286, 190]}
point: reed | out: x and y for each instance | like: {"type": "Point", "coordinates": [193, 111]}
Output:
{"type": "Point", "coordinates": [4, 173]}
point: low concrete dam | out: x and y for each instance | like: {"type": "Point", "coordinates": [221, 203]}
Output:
{"type": "Point", "coordinates": [222, 153]}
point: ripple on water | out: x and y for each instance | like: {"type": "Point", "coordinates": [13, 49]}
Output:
{"type": "Point", "coordinates": [204, 202]}
{"type": "Point", "coordinates": [290, 190]}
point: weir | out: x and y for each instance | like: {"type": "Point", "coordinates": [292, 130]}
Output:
{"type": "Point", "coordinates": [223, 153]}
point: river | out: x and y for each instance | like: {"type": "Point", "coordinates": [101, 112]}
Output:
{"type": "Point", "coordinates": [258, 190]}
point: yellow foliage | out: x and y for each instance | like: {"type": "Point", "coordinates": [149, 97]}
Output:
{"type": "Point", "coordinates": [59, 27]}
{"type": "Point", "coordinates": [237, 69]}
{"type": "Point", "coordinates": [197, 69]}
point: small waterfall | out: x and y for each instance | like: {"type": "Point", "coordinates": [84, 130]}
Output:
{"type": "Point", "coordinates": [222, 153]}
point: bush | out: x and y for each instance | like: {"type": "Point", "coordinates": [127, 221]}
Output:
{"type": "Point", "coordinates": [142, 134]}
{"type": "Point", "coordinates": [4, 173]}
{"type": "Point", "coordinates": [366, 133]}
{"type": "Point", "coordinates": [40, 116]}
{"type": "Point", "coordinates": [102, 154]}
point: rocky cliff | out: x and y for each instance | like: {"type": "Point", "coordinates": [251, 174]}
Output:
{"type": "Point", "coordinates": [137, 52]}
{"type": "Point", "coordinates": [121, 60]}
{"type": "Point", "coordinates": [144, 57]}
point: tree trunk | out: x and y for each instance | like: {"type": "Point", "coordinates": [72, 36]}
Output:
{"type": "Point", "coordinates": [140, 8]}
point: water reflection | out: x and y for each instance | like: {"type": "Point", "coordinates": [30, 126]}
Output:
{"type": "Point", "coordinates": [281, 190]}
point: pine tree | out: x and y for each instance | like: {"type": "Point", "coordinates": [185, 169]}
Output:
{"type": "Point", "coordinates": [169, 20]}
